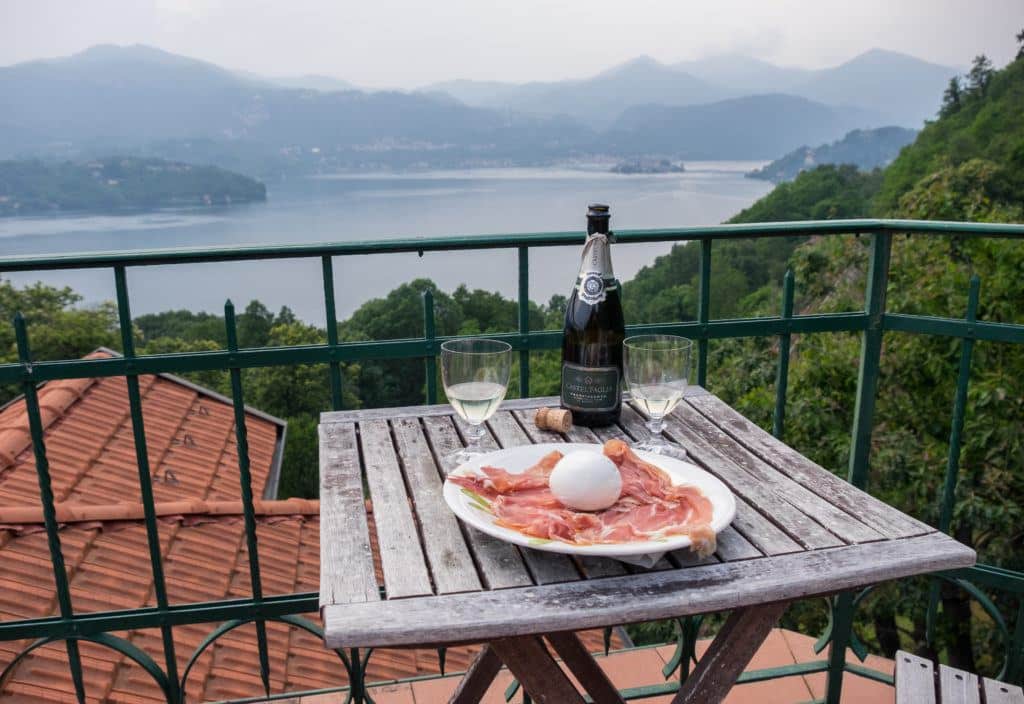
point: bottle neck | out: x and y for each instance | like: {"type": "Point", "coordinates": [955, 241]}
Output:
{"type": "Point", "coordinates": [597, 225]}
{"type": "Point", "coordinates": [597, 257]}
{"type": "Point", "coordinates": [596, 277]}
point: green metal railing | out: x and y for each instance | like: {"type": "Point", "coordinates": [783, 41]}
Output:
{"type": "Point", "coordinates": [872, 323]}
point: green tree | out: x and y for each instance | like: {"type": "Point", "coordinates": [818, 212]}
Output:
{"type": "Point", "coordinates": [57, 327]}
{"type": "Point", "coordinates": [979, 76]}
{"type": "Point", "coordinates": [951, 97]}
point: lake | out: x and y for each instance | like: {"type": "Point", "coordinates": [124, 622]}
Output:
{"type": "Point", "coordinates": [349, 207]}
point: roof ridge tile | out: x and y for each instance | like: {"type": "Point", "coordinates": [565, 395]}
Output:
{"type": "Point", "coordinates": [55, 397]}
{"type": "Point", "coordinates": [72, 512]}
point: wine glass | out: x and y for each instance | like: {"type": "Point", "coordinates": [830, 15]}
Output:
{"type": "Point", "coordinates": [475, 374]}
{"type": "Point", "coordinates": [656, 368]}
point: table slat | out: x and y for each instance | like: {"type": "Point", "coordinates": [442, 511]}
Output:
{"type": "Point", "coordinates": [597, 567]}
{"type": "Point", "coordinates": [733, 546]}
{"type": "Point", "coordinates": [578, 433]}
{"type": "Point", "coordinates": [765, 499]}
{"type": "Point", "coordinates": [346, 558]}
{"type": "Point", "coordinates": [449, 558]}
{"type": "Point", "coordinates": [535, 434]}
{"type": "Point", "coordinates": [500, 562]}
{"type": "Point", "coordinates": [884, 518]}
{"type": "Point", "coordinates": [402, 560]}
{"type": "Point", "coordinates": [842, 524]}
{"type": "Point", "coordinates": [762, 533]}
{"type": "Point", "coordinates": [546, 567]}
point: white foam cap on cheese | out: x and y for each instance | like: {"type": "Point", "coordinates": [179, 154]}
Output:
{"type": "Point", "coordinates": [586, 480]}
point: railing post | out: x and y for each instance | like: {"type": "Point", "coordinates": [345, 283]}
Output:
{"type": "Point", "coordinates": [782, 374]}
{"type": "Point", "coordinates": [60, 572]}
{"type": "Point", "coordinates": [842, 629]}
{"type": "Point", "coordinates": [956, 429]}
{"type": "Point", "coordinates": [524, 321]}
{"type": "Point", "coordinates": [145, 475]}
{"type": "Point", "coordinates": [245, 483]}
{"type": "Point", "coordinates": [430, 336]}
{"type": "Point", "coordinates": [704, 310]}
{"type": "Point", "coordinates": [327, 264]}
{"type": "Point", "coordinates": [860, 443]}
{"type": "Point", "coordinates": [870, 358]}
{"type": "Point", "coordinates": [1015, 667]}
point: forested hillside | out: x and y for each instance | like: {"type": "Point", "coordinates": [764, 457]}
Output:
{"type": "Point", "coordinates": [117, 183]}
{"type": "Point", "coordinates": [865, 149]}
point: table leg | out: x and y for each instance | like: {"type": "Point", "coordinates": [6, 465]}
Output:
{"type": "Point", "coordinates": [531, 663]}
{"type": "Point", "coordinates": [478, 677]}
{"type": "Point", "coordinates": [730, 652]}
{"type": "Point", "coordinates": [582, 664]}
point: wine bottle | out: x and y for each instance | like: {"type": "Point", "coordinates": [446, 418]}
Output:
{"type": "Point", "coordinates": [593, 333]}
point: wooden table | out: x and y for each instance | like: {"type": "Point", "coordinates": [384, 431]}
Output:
{"type": "Point", "coordinates": [799, 531]}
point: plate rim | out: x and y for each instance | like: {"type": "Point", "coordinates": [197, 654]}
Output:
{"type": "Point", "coordinates": [457, 504]}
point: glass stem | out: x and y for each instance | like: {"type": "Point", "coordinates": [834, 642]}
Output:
{"type": "Point", "coordinates": [474, 435]}
{"type": "Point", "coordinates": [655, 426]}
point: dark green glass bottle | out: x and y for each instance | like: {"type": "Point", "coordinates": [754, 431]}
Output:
{"type": "Point", "coordinates": [593, 333]}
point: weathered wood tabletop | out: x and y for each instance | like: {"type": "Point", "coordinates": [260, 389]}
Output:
{"type": "Point", "coordinates": [799, 531]}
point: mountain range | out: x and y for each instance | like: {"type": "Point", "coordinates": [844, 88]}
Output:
{"type": "Point", "coordinates": [892, 87]}
{"type": "Point", "coordinates": [139, 100]}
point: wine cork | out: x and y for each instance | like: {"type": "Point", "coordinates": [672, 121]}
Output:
{"type": "Point", "coordinates": [557, 419]}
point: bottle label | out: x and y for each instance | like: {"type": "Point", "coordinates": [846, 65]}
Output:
{"type": "Point", "coordinates": [589, 388]}
{"type": "Point", "coordinates": [592, 287]}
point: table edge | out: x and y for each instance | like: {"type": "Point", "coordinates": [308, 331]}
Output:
{"type": "Point", "coordinates": [400, 622]}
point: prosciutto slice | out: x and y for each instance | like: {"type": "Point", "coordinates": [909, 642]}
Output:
{"type": "Point", "coordinates": [650, 505]}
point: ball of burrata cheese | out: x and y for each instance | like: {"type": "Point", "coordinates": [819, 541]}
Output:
{"type": "Point", "coordinates": [586, 481]}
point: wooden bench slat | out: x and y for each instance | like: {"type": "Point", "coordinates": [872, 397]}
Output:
{"type": "Point", "coordinates": [448, 556]}
{"type": "Point", "coordinates": [884, 518]}
{"type": "Point", "coordinates": [957, 686]}
{"type": "Point", "coordinates": [915, 679]}
{"type": "Point", "coordinates": [346, 557]}
{"type": "Point", "coordinates": [485, 615]}
{"type": "Point", "coordinates": [402, 560]}
{"type": "Point", "coordinates": [1001, 692]}
{"type": "Point", "coordinates": [842, 524]}
{"type": "Point", "coordinates": [500, 562]}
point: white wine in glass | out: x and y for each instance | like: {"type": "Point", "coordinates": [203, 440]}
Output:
{"type": "Point", "coordinates": [475, 374]}
{"type": "Point", "coordinates": [656, 373]}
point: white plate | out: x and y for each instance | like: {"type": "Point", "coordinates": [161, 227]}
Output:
{"type": "Point", "coordinates": [640, 552]}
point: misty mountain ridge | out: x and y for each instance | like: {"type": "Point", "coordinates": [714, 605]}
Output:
{"type": "Point", "coordinates": [143, 100]}
{"type": "Point", "coordinates": [751, 127]}
{"type": "Point", "coordinates": [898, 88]}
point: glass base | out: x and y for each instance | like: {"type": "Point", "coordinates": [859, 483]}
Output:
{"type": "Point", "coordinates": [453, 460]}
{"type": "Point", "coordinates": [663, 448]}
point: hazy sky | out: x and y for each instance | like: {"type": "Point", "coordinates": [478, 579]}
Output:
{"type": "Point", "coordinates": [406, 43]}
